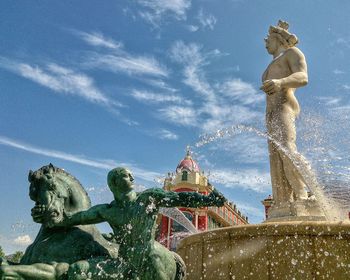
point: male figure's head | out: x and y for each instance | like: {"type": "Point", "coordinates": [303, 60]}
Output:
{"type": "Point", "coordinates": [120, 180]}
{"type": "Point", "coordinates": [279, 37]}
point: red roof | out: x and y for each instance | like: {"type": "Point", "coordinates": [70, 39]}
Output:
{"type": "Point", "coordinates": [187, 164]}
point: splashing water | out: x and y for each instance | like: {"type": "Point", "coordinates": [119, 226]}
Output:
{"type": "Point", "coordinates": [179, 217]}
{"type": "Point", "coordinates": [329, 207]}
{"type": "Point", "coordinates": [327, 145]}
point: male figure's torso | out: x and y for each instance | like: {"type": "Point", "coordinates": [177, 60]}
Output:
{"type": "Point", "coordinates": [133, 224]}
{"type": "Point", "coordinates": [283, 101]}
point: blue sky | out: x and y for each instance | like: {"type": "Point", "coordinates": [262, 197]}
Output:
{"type": "Point", "coordinates": [90, 85]}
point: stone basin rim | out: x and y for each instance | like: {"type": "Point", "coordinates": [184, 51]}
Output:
{"type": "Point", "coordinates": [269, 229]}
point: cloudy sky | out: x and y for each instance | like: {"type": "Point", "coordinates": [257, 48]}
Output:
{"type": "Point", "coordinates": [91, 85]}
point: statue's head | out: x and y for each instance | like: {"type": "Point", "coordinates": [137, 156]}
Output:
{"type": "Point", "coordinates": [120, 180]}
{"type": "Point", "coordinates": [280, 36]}
{"type": "Point", "coordinates": [54, 192]}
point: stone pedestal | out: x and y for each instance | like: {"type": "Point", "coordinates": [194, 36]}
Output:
{"type": "Point", "coordinates": [301, 210]}
{"type": "Point", "coordinates": [286, 250]}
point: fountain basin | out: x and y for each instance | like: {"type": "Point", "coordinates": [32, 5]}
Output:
{"type": "Point", "coordinates": [283, 250]}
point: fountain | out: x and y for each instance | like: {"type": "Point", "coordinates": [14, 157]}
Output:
{"type": "Point", "coordinates": [303, 238]}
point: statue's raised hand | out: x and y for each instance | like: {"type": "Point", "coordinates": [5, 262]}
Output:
{"type": "Point", "coordinates": [38, 213]}
{"type": "Point", "coordinates": [63, 222]}
{"type": "Point", "coordinates": [217, 197]}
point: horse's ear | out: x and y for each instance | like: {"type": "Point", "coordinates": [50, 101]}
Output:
{"type": "Point", "coordinates": [30, 176]}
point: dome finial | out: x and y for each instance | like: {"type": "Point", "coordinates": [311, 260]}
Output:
{"type": "Point", "coordinates": [188, 151]}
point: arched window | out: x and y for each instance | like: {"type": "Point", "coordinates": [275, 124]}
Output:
{"type": "Point", "coordinates": [184, 175]}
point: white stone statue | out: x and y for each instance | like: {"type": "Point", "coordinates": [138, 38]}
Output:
{"type": "Point", "coordinates": [286, 72]}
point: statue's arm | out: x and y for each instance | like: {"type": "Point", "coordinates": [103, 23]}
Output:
{"type": "Point", "coordinates": [54, 271]}
{"type": "Point", "coordinates": [191, 199]}
{"type": "Point", "coordinates": [297, 64]}
{"type": "Point", "coordinates": [94, 215]}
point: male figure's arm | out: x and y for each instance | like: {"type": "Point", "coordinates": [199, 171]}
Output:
{"type": "Point", "coordinates": [94, 215]}
{"type": "Point", "coordinates": [297, 65]}
{"type": "Point", "coordinates": [189, 199]}
{"type": "Point", "coordinates": [37, 271]}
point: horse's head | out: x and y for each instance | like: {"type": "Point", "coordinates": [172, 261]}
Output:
{"type": "Point", "coordinates": [54, 192]}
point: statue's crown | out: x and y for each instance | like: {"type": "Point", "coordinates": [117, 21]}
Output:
{"type": "Point", "coordinates": [283, 24]}
{"type": "Point", "coordinates": [288, 39]}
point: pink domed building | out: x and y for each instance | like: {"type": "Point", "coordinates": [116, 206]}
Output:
{"type": "Point", "coordinates": [189, 178]}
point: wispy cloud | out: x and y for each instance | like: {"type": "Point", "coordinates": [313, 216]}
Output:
{"type": "Point", "coordinates": [178, 7]}
{"type": "Point", "coordinates": [158, 83]}
{"type": "Point", "coordinates": [338, 105]}
{"type": "Point", "coordinates": [117, 59]}
{"type": "Point", "coordinates": [246, 148]}
{"type": "Point", "coordinates": [224, 115]}
{"type": "Point", "coordinates": [13, 243]}
{"type": "Point", "coordinates": [23, 240]}
{"type": "Point", "coordinates": [197, 82]}
{"type": "Point", "coordinates": [190, 56]}
{"type": "Point", "coordinates": [61, 80]}
{"type": "Point", "coordinates": [181, 115]}
{"type": "Point", "coordinates": [241, 91]}
{"type": "Point", "coordinates": [251, 210]}
{"type": "Point", "coordinates": [101, 194]}
{"type": "Point", "coordinates": [192, 28]}
{"type": "Point", "coordinates": [206, 20]}
{"type": "Point", "coordinates": [97, 39]}
{"type": "Point", "coordinates": [238, 145]}
{"type": "Point", "coordinates": [181, 53]}
{"type": "Point", "coordinates": [342, 110]}
{"type": "Point", "coordinates": [250, 179]}
{"type": "Point", "coordinates": [101, 164]}
{"type": "Point", "coordinates": [224, 103]}
{"type": "Point", "coordinates": [343, 41]}
{"type": "Point", "coordinates": [338, 72]}
{"type": "Point", "coordinates": [155, 10]}
{"type": "Point", "coordinates": [150, 97]}
{"type": "Point", "coordinates": [346, 87]}
{"type": "Point", "coordinates": [127, 63]}
{"type": "Point", "coordinates": [167, 135]}
{"type": "Point", "coordinates": [330, 101]}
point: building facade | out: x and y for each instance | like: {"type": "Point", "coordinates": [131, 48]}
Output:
{"type": "Point", "coordinates": [189, 178]}
{"type": "Point", "coordinates": [267, 202]}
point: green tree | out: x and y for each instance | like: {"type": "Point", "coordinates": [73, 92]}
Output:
{"type": "Point", "coordinates": [16, 257]}
{"type": "Point", "coordinates": [2, 253]}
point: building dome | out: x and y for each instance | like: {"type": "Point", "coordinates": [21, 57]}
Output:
{"type": "Point", "coordinates": [187, 164]}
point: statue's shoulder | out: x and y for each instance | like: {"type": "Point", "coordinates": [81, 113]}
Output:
{"type": "Point", "coordinates": [294, 52]}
